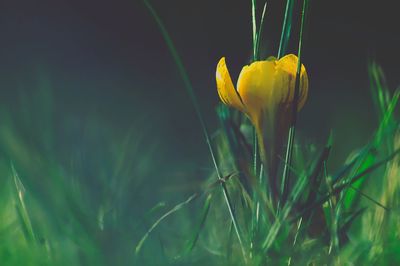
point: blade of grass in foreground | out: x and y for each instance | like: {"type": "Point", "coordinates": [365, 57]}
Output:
{"type": "Point", "coordinates": [196, 106]}
{"type": "Point", "coordinates": [282, 218]}
{"type": "Point", "coordinates": [159, 220]}
{"type": "Point", "coordinates": [369, 158]}
{"type": "Point", "coordinates": [286, 28]}
{"type": "Point", "coordinates": [179, 206]}
{"type": "Point", "coordinates": [347, 184]}
{"type": "Point", "coordinates": [254, 26]}
{"type": "Point", "coordinates": [260, 29]}
{"type": "Point", "coordinates": [292, 129]}
{"type": "Point", "coordinates": [379, 90]}
{"type": "Point", "coordinates": [256, 54]}
{"type": "Point", "coordinates": [193, 240]}
{"type": "Point", "coordinates": [22, 210]}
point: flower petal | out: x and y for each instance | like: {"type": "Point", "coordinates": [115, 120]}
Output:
{"type": "Point", "coordinates": [286, 78]}
{"type": "Point", "coordinates": [226, 91]}
{"type": "Point", "coordinates": [256, 86]}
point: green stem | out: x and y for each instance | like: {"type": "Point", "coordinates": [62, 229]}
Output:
{"type": "Point", "coordinates": [292, 129]}
{"type": "Point", "coordinates": [285, 28]}
{"type": "Point", "coordinates": [260, 30]}
{"type": "Point", "coordinates": [255, 145]}
{"type": "Point", "coordinates": [254, 26]}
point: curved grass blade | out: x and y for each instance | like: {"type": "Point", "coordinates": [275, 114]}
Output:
{"type": "Point", "coordinates": [369, 158]}
{"type": "Point", "coordinates": [150, 212]}
{"type": "Point", "coordinates": [341, 187]}
{"type": "Point", "coordinates": [237, 144]}
{"type": "Point", "coordinates": [192, 243]}
{"type": "Point", "coordinates": [159, 220]}
{"type": "Point", "coordinates": [379, 89]}
{"type": "Point", "coordinates": [21, 207]}
{"type": "Point", "coordinates": [178, 207]}
{"type": "Point", "coordinates": [388, 115]}
{"type": "Point", "coordinates": [190, 91]}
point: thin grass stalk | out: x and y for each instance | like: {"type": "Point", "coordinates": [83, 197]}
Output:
{"type": "Point", "coordinates": [190, 91]}
{"type": "Point", "coordinates": [256, 45]}
{"type": "Point", "coordinates": [285, 30]}
{"type": "Point", "coordinates": [25, 218]}
{"type": "Point", "coordinates": [165, 215]}
{"type": "Point", "coordinates": [255, 57]}
{"type": "Point", "coordinates": [370, 198]}
{"type": "Point", "coordinates": [257, 49]}
{"type": "Point", "coordinates": [260, 29]}
{"type": "Point", "coordinates": [292, 129]}
{"type": "Point", "coordinates": [254, 26]}
{"type": "Point", "coordinates": [332, 205]}
{"type": "Point", "coordinates": [282, 218]}
{"type": "Point", "coordinates": [299, 223]}
{"type": "Point", "coordinates": [255, 141]}
{"type": "Point", "coordinates": [336, 190]}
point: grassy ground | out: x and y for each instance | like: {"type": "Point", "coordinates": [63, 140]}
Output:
{"type": "Point", "coordinates": [85, 201]}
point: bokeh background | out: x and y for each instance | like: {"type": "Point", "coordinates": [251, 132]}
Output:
{"type": "Point", "coordinates": [81, 79]}
{"type": "Point", "coordinates": [110, 59]}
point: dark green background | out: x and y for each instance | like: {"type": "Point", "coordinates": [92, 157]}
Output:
{"type": "Point", "coordinates": [109, 58]}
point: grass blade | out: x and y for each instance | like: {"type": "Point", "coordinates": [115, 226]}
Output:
{"type": "Point", "coordinates": [315, 177]}
{"type": "Point", "coordinates": [284, 213]}
{"type": "Point", "coordinates": [341, 187]}
{"type": "Point", "coordinates": [254, 27]}
{"type": "Point", "coordinates": [286, 28]}
{"type": "Point", "coordinates": [21, 207]}
{"type": "Point", "coordinates": [192, 243]}
{"type": "Point", "coordinates": [176, 208]}
{"type": "Point", "coordinates": [292, 129]}
{"type": "Point", "coordinates": [257, 48]}
{"type": "Point", "coordinates": [190, 91]}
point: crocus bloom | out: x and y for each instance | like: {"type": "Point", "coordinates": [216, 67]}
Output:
{"type": "Point", "coordinates": [265, 93]}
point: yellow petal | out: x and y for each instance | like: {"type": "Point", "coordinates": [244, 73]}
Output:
{"type": "Point", "coordinates": [256, 85]}
{"type": "Point", "coordinates": [286, 78]}
{"type": "Point", "coordinates": [226, 91]}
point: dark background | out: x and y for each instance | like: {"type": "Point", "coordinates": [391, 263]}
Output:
{"type": "Point", "coordinates": [108, 58]}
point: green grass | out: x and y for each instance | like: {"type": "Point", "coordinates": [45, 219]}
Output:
{"type": "Point", "coordinates": [312, 220]}
{"type": "Point", "coordinates": [95, 203]}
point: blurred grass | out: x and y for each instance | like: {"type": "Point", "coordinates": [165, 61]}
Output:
{"type": "Point", "coordinates": [74, 190]}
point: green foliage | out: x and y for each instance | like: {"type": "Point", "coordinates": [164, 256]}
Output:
{"type": "Point", "coordinates": [312, 221]}
{"type": "Point", "coordinates": [71, 209]}
{"type": "Point", "coordinates": [68, 201]}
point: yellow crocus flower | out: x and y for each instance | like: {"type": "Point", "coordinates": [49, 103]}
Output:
{"type": "Point", "coordinates": [265, 93]}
